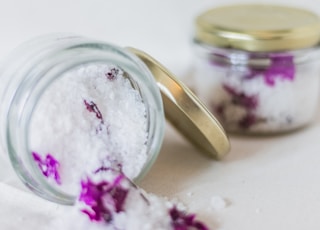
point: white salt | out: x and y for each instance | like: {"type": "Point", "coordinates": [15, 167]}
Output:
{"type": "Point", "coordinates": [139, 215]}
{"type": "Point", "coordinates": [190, 194]}
{"type": "Point", "coordinates": [113, 133]}
{"type": "Point", "coordinates": [285, 105]}
{"type": "Point", "coordinates": [218, 203]}
{"type": "Point", "coordinates": [140, 211]}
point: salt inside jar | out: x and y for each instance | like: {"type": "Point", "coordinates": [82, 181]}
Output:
{"type": "Point", "coordinates": [257, 67]}
{"type": "Point", "coordinates": [88, 119]}
{"type": "Point", "coordinates": [74, 107]}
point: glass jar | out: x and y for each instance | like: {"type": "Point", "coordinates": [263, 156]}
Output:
{"type": "Point", "coordinates": [35, 68]}
{"type": "Point", "coordinates": [30, 71]}
{"type": "Point", "coordinates": [257, 67]}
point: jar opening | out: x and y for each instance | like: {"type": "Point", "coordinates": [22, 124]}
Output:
{"type": "Point", "coordinates": [83, 108]}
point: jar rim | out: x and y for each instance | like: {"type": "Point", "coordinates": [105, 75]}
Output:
{"type": "Point", "coordinates": [40, 76]}
{"type": "Point", "coordinates": [230, 56]}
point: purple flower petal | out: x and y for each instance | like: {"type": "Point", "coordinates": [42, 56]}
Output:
{"type": "Point", "coordinates": [92, 107]}
{"type": "Point", "coordinates": [48, 166]}
{"type": "Point", "coordinates": [182, 221]}
{"type": "Point", "coordinates": [282, 67]}
{"type": "Point", "coordinates": [103, 198]}
{"type": "Point", "coordinates": [241, 99]}
{"type": "Point", "coordinates": [247, 121]}
{"type": "Point", "coordinates": [112, 74]}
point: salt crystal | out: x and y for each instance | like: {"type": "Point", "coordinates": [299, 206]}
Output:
{"type": "Point", "coordinates": [218, 203]}
{"type": "Point", "coordinates": [190, 194]}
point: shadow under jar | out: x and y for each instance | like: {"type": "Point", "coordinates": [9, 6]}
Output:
{"type": "Point", "coordinates": [257, 67]}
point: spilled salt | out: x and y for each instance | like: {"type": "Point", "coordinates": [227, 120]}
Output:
{"type": "Point", "coordinates": [218, 203]}
{"type": "Point", "coordinates": [88, 137]}
{"type": "Point", "coordinates": [122, 206]}
{"type": "Point", "coordinates": [190, 194]}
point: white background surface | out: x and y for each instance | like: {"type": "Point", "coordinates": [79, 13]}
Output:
{"type": "Point", "coordinates": [268, 183]}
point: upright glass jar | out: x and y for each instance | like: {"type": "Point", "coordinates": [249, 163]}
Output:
{"type": "Point", "coordinates": [33, 70]}
{"type": "Point", "coordinates": [257, 66]}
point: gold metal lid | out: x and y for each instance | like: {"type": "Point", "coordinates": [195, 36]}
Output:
{"type": "Point", "coordinates": [184, 110]}
{"type": "Point", "coordinates": [258, 27]}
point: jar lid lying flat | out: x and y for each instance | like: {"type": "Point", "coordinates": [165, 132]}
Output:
{"type": "Point", "coordinates": [184, 110]}
{"type": "Point", "coordinates": [258, 27]}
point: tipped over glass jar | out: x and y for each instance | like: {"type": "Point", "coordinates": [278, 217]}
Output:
{"type": "Point", "coordinates": [257, 67]}
{"type": "Point", "coordinates": [74, 107]}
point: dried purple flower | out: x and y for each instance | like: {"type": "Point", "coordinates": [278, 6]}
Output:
{"type": "Point", "coordinates": [219, 109]}
{"type": "Point", "coordinates": [254, 72]}
{"type": "Point", "coordinates": [247, 121]}
{"type": "Point", "coordinates": [182, 221]}
{"type": "Point", "coordinates": [281, 67]}
{"type": "Point", "coordinates": [48, 166]}
{"type": "Point", "coordinates": [112, 74]}
{"type": "Point", "coordinates": [249, 103]}
{"type": "Point", "coordinates": [92, 107]}
{"type": "Point", "coordinates": [241, 99]}
{"type": "Point", "coordinates": [103, 198]}
{"type": "Point", "coordinates": [116, 167]}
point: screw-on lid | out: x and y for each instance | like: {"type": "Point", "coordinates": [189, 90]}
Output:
{"type": "Point", "coordinates": [258, 27]}
{"type": "Point", "coordinates": [184, 110]}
